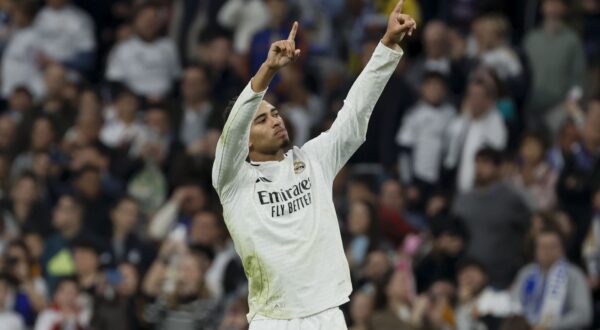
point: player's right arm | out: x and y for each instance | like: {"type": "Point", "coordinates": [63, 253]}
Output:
{"type": "Point", "coordinates": [232, 147]}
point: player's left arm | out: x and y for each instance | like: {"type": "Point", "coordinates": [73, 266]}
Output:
{"type": "Point", "coordinates": [349, 130]}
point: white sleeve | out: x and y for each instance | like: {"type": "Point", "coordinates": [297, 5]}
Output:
{"type": "Point", "coordinates": [115, 68]}
{"type": "Point", "coordinates": [229, 13]}
{"type": "Point", "coordinates": [45, 321]}
{"type": "Point", "coordinates": [163, 221]}
{"type": "Point", "coordinates": [334, 147]}
{"type": "Point", "coordinates": [407, 134]}
{"type": "Point", "coordinates": [86, 41]}
{"type": "Point", "coordinates": [173, 59]}
{"type": "Point", "coordinates": [232, 147]}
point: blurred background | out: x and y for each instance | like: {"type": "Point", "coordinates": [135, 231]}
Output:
{"type": "Point", "coordinates": [474, 203]}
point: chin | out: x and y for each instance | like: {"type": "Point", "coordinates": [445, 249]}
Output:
{"type": "Point", "coordinates": [286, 143]}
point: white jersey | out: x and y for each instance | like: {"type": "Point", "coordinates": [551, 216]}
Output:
{"type": "Point", "coordinates": [64, 33]}
{"type": "Point", "coordinates": [280, 213]}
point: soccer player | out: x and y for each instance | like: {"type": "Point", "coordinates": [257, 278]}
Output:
{"type": "Point", "coordinates": [278, 205]}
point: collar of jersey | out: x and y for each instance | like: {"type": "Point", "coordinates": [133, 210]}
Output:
{"type": "Point", "coordinates": [268, 162]}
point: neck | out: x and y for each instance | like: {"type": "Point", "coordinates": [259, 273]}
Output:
{"type": "Point", "coordinates": [530, 165]}
{"type": "Point", "coordinates": [195, 103]}
{"type": "Point", "coordinates": [70, 232]}
{"type": "Point", "coordinates": [552, 25]}
{"type": "Point", "coordinates": [87, 280]}
{"type": "Point", "coordinates": [397, 303]}
{"type": "Point", "coordinates": [546, 267]}
{"type": "Point", "coordinates": [261, 157]}
{"type": "Point", "coordinates": [119, 234]}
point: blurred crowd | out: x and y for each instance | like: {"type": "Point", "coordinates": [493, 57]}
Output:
{"type": "Point", "coordinates": [474, 203]}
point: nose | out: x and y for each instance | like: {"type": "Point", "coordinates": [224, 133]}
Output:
{"type": "Point", "coordinates": [276, 122]}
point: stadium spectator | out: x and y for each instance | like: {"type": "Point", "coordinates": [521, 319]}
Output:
{"type": "Point", "coordinates": [557, 62]}
{"type": "Point", "coordinates": [437, 57]}
{"type": "Point", "coordinates": [196, 113]}
{"type": "Point", "coordinates": [86, 262]}
{"type": "Point", "coordinates": [362, 231]}
{"type": "Point", "coordinates": [227, 68]}
{"type": "Point", "coordinates": [361, 311]}
{"type": "Point", "coordinates": [69, 308]}
{"type": "Point", "coordinates": [43, 138]}
{"type": "Point", "coordinates": [176, 284]}
{"type": "Point", "coordinates": [494, 204]}
{"type": "Point", "coordinates": [126, 245]}
{"type": "Point", "coordinates": [532, 173]}
{"type": "Point", "coordinates": [478, 125]}
{"type": "Point", "coordinates": [479, 306]}
{"type": "Point", "coordinates": [552, 292]}
{"type": "Point", "coordinates": [65, 35]}
{"type": "Point", "coordinates": [123, 126]}
{"type": "Point", "coordinates": [208, 229]}
{"type": "Point", "coordinates": [57, 259]}
{"type": "Point", "coordinates": [86, 130]}
{"type": "Point", "coordinates": [423, 133]}
{"type": "Point", "coordinates": [580, 174]}
{"type": "Point", "coordinates": [19, 65]}
{"type": "Point", "coordinates": [31, 293]}
{"type": "Point", "coordinates": [115, 305]}
{"type": "Point", "coordinates": [491, 32]}
{"type": "Point", "coordinates": [395, 221]}
{"type": "Point", "coordinates": [20, 101]}
{"type": "Point", "coordinates": [398, 311]}
{"type": "Point", "coordinates": [245, 18]}
{"type": "Point", "coordinates": [8, 318]}
{"type": "Point", "coordinates": [25, 209]}
{"type": "Point", "coordinates": [448, 247]}
{"type": "Point", "coordinates": [146, 63]}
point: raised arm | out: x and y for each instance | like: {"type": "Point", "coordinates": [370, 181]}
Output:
{"type": "Point", "coordinates": [232, 147]}
{"type": "Point", "coordinates": [334, 147]}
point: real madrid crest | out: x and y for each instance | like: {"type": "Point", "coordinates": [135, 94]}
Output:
{"type": "Point", "coordinates": [299, 166]}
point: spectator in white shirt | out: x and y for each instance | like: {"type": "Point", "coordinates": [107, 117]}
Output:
{"type": "Point", "coordinates": [66, 35]}
{"type": "Point", "coordinates": [245, 18]}
{"type": "Point", "coordinates": [491, 33]}
{"type": "Point", "coordinates": [423, 132]}
{"type": "Point", "coordinates": [19, 61]}
{"type": "Point", "coordinates": [122, 127]}
{"type": "Point", "coordinates": [8, 318]}
{"type": "Point", "coordinates": [146, 63]}
{"type": "Point", "coordinates": [70, 308]}
{"type": "Point", "coordinates": [479, 125]}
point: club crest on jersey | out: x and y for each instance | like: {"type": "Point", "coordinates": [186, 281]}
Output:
{"type": "Point", "coordinates": [299, 166]}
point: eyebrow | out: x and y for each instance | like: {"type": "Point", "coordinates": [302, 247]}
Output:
{"type": "Point", "coordinates": [262, 115]}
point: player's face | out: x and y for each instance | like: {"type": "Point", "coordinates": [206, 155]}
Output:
{"type": "Point", "coordinates": [267, 133]}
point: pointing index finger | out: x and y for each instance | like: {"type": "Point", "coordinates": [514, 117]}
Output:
{"type": "Point", "coordinates": [292, 35]}
{"type": "Point", "coordinates": [398, 8]}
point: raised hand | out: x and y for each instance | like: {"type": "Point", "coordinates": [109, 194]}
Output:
{"type": "Point", "coordinates": [283, 52]}
{"type": "Point", "coordinates": [398, 26]}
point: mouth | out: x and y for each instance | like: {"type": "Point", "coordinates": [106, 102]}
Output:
{"type": "Point", "coordinates": [280, 133]}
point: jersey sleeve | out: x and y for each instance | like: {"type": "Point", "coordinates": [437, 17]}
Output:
{"type": "Point", "coordinates": [232, 147]}
{"type": "Point", "coordinates": [334, 147]}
